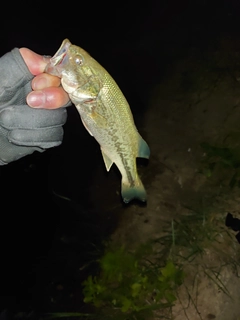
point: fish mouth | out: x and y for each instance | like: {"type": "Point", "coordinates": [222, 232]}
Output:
{"type": "Point", "coordinates": [57, 62]}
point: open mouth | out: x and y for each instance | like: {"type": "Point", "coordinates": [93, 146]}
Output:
{"type": "Point", "coordinates": [57, 62]}
{"type": "Point", "coordinates": [60, 55]}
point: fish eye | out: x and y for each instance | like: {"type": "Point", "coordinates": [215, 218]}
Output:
{"type": "Point", "coordinates": [78, 60]}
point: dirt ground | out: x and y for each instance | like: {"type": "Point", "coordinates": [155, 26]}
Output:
{"type": "Point", "coordinates": [198, 101]}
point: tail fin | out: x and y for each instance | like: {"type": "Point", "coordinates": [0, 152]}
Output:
{"type": "Point", "coordinates": [136, 191]}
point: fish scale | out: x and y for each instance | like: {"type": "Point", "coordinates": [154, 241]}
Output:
{"type": "Point", "coordinates": [104, 112]}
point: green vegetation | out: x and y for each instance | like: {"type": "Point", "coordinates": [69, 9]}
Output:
{"type": "Point", "coordinates": [130, 283]}
{"type": "Point", "coordinates": [144, 284]}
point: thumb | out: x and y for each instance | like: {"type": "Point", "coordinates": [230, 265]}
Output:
{"type": "Point", "coordinates": [36, 63]}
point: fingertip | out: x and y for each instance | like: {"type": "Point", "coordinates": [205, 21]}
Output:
{"type": "Point", "coordinates": [48, 98]}
{"type": "Point", "coordinates": [35, 62]}
{"type": "Point", "coordinates": [45, 80]}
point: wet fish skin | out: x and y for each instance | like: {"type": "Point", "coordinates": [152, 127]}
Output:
{"type": "Point", "coordinates": [104, 112]}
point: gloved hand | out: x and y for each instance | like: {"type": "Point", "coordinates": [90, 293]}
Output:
{"type": "Point", "coordinates": [23, 129]}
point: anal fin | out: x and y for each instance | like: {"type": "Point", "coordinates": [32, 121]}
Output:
{"type": "Point", "coordinates": [108, 162]}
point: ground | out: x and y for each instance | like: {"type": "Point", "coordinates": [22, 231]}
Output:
{"type": "Point", "coordinates": [197, 102]}
{"type": "Point", "coordinates": [182, 80]}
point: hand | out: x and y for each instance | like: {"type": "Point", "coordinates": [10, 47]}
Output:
{"type": "Point", "coordinates": [24, 130]}
{"type": "Point", "coordinates": [47, 92]}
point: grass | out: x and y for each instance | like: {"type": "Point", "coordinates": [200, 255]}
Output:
{"type": "Point", "coordinates": [130, 285]}
{"type": "Point", "coordinates": [145, 283]}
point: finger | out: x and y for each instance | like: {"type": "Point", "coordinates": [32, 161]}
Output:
{"type": "Point", "coordinates": [36, 63]}
{"type": "Point", "coordinates": [45, 80]}
{"type": "Point", "coordinates": [48, 98]}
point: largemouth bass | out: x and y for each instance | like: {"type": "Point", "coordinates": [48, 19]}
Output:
{"type": "Point", "coordinates": [104, 112]}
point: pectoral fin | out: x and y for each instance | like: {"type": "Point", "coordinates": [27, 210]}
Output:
{"type": "Point", "coordinates": [99, 120]}
{"type": "Point", "coordinates": [143, 148]}
{"type": "Point", "coordinates": [108, 162]}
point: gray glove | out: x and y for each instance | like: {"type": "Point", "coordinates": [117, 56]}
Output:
{"type": "Point", "coordinates": [24, 130]}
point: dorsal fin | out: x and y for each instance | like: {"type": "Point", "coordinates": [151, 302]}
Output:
{"type": "Point", "coordinates": [143, 148]}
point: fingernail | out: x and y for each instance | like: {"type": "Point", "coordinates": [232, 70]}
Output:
{"type": "Point", "coordinates": [46, 58]}
{"type": "Point", "coordinates": [36, 99]}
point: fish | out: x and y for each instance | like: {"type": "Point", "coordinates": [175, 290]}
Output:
{"type": "Point", "coordinates": [105, 113]}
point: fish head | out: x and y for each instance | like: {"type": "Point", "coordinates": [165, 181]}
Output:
{"type": "Point", "coordinates": [70, 63]}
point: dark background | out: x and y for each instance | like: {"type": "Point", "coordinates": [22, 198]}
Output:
{"type": "Point", "coordinates": [45, 239]}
